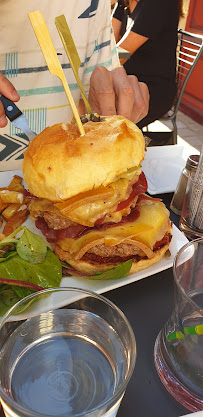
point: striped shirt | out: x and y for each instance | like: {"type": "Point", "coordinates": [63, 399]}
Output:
{"type": "Point", "coordinates": [43, 99]}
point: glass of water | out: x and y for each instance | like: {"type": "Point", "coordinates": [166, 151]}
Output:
{"type": "Point", "coordinates": [64, 352]}
{"type": "Point", "coordinates": [178, 349]}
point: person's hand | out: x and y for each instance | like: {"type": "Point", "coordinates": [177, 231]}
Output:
{"type": "Point", "coordinates": [9, 91]}
{"type": "Point", "coordinates": [115, 92]}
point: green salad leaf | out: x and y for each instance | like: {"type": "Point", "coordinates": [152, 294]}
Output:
{"type": "Point", "coordinates": [119, 271]}
{"type": "Point", "coordinates": [8, 298]}
{"type": "Point", "coordinates": [8, 255]}
{"type": "Point", "coordinates": [46, 274]}
{"type": "Point", "coordinates": [31, 247]}
{"type": "Point", "coordinates": [26, 262]}
{"type": "Point", "coordinates": [22, 261]}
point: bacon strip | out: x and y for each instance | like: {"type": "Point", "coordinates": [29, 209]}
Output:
{"type": "Point", "coordinates": [74, 232]}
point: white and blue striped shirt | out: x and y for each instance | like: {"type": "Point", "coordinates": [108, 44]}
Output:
{"type": "Point", "coordinates": [43, 99]}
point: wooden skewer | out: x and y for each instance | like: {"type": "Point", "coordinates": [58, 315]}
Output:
{"type": "Point", "coordinates": [53, 63]}
{"type": "Point", "coordinates": [72, 53]}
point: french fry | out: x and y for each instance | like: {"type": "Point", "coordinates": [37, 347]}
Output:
{"type": "Point", "coordinates": [17, 187]}
{"type": "Point", "coordinates": [3, 205]}
{"type": "Point", "coordinates": [8, 196]}
{"type": "Point", "coordinates": [3, 188]}
{"type": "Point", "coordinates": [2, 236]}
{"type": "Point", "coordinates": [10, 211]}
{"type": "Point", "coordinates": [16, 184]}
{"type": "Point", "coordinates": [15, 221]}
{"type": "Point", "coordinates": [12, 206]}
{"type": "Point", "coordinates": [15, 180]}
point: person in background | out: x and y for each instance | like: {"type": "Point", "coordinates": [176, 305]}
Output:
{"type": "Point", "coordinates": [25, 76]}
{"type": "Point", "coordinates": [148, 30]}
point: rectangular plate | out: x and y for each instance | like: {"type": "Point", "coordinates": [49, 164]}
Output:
{"type": "Point", "coordinates": [101, 286]}
{"type": "Point", "coordinates": [163, 165]}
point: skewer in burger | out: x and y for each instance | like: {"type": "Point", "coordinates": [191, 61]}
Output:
{"type": "Point", "coordinates": [88, 196]}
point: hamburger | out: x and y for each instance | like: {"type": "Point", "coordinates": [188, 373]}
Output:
{"type": "Point", "coordinates": [88, 196]}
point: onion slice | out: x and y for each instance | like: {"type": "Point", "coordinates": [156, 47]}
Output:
{"type": "Point", "coordinates": [18, 283]}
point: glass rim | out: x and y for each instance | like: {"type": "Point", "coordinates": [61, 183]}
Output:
{"type": "Point", "coordinates": [191, 243]}
{"type": "Point", "coordinates": [118, 392]}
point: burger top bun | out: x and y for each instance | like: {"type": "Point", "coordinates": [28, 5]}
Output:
{"type": "Point", "coordinates": [59, 163]}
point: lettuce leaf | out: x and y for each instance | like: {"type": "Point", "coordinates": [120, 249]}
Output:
{"type": "Point", "coordinates": [47, 274]}
{"type": "Point", "coordinates": [31, 247]}
{"type": "Point", "coordinates": [119, 271]}
{"type": "Point", "coordinates": [8, 298]}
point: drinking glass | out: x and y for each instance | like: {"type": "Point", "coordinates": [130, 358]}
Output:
{"type": "Point", "coordinates": [64, 352]}
{"type": "Point", "coordinates": [178, 351]}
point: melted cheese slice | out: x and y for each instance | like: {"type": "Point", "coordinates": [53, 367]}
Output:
{"type": "Point", "coordinates": [87, 211]}
{"type": "Point", "coordinates": [148, 228]}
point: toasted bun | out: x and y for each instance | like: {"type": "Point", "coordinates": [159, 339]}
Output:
{"type": "Point", "coordinates": [88, 267]}
{"type": "Point", "coordinates": [59, 163]}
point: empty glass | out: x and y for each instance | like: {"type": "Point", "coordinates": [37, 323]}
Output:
{"type": "Point", "coordinates": [178, 351]}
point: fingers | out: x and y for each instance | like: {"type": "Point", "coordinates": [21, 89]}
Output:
{"type": "Point", "coordinates": [145, 93]}
{"type": "Point", "coordinates": [132, 96]}
{"type": "Point", "coordinates": [114, 92]}
{"type": "Point", "coordinates": [125, 94]}
{"type": "Point", "coordinates": [3, 119]}
{"type": "Point", "coordinates": [141, 99]}
{"type": "Point", "coordinates": [101, 94]}
{"type": "Point", "coordinates": [8, 90]}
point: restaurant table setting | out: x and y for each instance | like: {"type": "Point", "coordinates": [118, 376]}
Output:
{"type": "Point", "coordinates": [145, 349]}
{"type": "Point", "coordinates": [148, 303]}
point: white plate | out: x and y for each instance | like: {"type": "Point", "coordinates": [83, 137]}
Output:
{"type": "Point", "coordinates": [163, 165]}
{"type": "Point", "coordinates": [101, 286]}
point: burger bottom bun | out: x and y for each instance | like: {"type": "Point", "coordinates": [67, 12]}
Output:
{"type": "Point", "coordinates": [92, 268]}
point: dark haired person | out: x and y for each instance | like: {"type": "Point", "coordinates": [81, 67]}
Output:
{"type": "Point", "coordinates": [148, 30]}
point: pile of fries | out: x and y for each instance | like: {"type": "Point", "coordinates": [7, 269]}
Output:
{"type": "Point", "coordinates": [13, 206]}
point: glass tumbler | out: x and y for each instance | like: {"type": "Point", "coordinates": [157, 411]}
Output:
{"type": "Point", "coordinates": [178, 351]}
{"type": "Point", "coordinates": [64, 352]}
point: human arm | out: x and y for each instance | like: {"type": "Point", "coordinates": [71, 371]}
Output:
{"type": "Point", "coordinates": [131, 42]}
{"type": "Point", "coordinates": [8, 90]}
{"type": "Point", "coordinates": [150, 19]}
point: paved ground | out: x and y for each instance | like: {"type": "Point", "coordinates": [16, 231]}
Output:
{"type": "Point", "coordinates": [188, 130]}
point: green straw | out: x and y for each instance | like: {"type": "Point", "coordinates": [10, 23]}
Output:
{"type": "Point", "coordinates": [187, 330]}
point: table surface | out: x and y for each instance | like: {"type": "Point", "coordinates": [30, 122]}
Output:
{"type": "Point", "coordinates": [147, 304]}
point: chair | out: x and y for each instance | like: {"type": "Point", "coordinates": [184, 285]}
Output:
{"type": "Point", "coordinates": [189, 50]}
